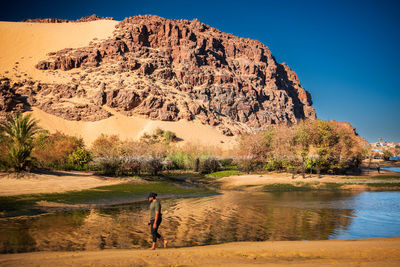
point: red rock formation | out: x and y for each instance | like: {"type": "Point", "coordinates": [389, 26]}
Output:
{"type": "Point", "coordinates": [216, 77]}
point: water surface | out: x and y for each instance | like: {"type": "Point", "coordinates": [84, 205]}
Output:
{"type": "Point", "coordinates": [393, 169]}
{"type": "Point", "coordinates": [232, 216]}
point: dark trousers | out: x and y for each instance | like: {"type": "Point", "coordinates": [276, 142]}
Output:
{"type": "Point", "coordinates": [154, 231]}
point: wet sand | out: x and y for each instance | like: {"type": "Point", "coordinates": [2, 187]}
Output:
{"type": "Point", "coordinates": [365, 252]}
{"type": "Point", "coordinates": [54, 182]}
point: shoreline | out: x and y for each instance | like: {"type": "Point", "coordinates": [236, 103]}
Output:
{"type": "Point", "coordinates": [368, 252]}
{"type": "Point", "coordinates": [279, 182]}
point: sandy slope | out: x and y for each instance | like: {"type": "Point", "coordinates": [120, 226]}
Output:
{"type": "Point", "coordinates": [51, 183]}
{"type": "Point", "coordinates": [364, 252]}
{"type": "Point", "coordinates": [133, 127]}
{"type": "Point", "coordinates": [22, 45]}
{"type": "Point", "coordinates": [28, 43]}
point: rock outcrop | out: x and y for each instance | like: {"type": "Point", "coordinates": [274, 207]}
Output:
{"type": "Point", "coordinates": [179, 69]}
{"type": "Point", "coordinates": [10, 101]}
{"type": "Point", "coordinates": [83, 19]}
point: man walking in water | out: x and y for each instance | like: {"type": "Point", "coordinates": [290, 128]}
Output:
{"type": "Point", "coordinates": [155, 219]}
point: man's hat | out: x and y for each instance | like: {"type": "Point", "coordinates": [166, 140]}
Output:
{"type": "Point", "coordinates": [151, 194]}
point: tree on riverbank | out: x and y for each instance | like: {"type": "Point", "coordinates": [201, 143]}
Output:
{"type": "Point", "coordinates": [18, 133]}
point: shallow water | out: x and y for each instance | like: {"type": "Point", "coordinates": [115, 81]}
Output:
{"type": "Point", "coordinates": [232, 216]}
{"type": "Point", "coordinates": [393, 169]}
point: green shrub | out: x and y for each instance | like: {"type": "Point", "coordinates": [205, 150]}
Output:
{"type": "Point", "coordinates": [181, 160]}
{"type": "Point", "coordinates": [273, 164]}
{"type": "Point", "coordinates": [80, 157]}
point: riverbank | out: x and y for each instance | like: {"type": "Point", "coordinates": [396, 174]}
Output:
{"type": "Point", "coordinates": [53, 182]}
{"type": "Point", "coordinates": [60, 191]}
{"type": "Point", "coordinates": [365, 252]}
{"type": "Point", "coordinates": [372, 181]}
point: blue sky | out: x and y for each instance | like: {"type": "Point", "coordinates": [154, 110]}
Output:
{"type": "Point", "coordinates": [346, 53]}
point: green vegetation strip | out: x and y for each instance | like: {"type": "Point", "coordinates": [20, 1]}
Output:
{"type": "Point", "coordinates": [100, 194]}
{"type": "Point", "coordinates": [221, 174]}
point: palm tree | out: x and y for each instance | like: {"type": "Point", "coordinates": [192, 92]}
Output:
{"type": "Point", "coordinates": [19, 132]}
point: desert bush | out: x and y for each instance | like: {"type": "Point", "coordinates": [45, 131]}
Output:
{"type": "Point", "coordinates": [53, 150]}
{"type": "Point", "coordinates": [106, 146]}
{"type": "Point", "coordinates": [119, 166]}
{"type": "Point", "coordinates": [159, 136]}
{"type": "Point", "coordinates": [247, 165]}
{"type": "Point", "coordinates": [153, 166]}
{"type": "Point", "coordinates": [134, 148]}
{"type": "Point", "coordinates": [169, 137]}
{"type": "Point", "coordinates": [130, 165]}
{"type": "Point", "coordinates": [208, 164]}
{"type": "Point", "coordinates": [107, 165]}
{"type": "Point", "coordinates": [257, 146]}
{"type": "Point", "coordinates": [227, 163]}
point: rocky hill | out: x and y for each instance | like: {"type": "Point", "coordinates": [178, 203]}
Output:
{"type": "Point", "coordinates": [52, 20]}
{"type": "Point", "coordinates": [167, 70]}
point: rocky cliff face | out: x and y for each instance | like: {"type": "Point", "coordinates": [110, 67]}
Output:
{"type": "Point", "coordinates": [172, 70]}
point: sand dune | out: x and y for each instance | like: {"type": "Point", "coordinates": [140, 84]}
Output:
{"type": "Point", "coordinates": [28, 43]}
{"type": "Point", "coordinates": [134, 127]}
{"type": "Point", "coordinates": [22, 45]}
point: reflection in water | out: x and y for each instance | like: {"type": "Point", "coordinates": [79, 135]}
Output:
{"type": "Point", "coordinates": [232, 216]}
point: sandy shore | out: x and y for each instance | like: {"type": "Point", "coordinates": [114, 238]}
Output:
{"type": "Point", "coordinates": [241, 181]}
{"type": "Point", "coordinates": [63, 181]}
{"type": "Point", "coordinates": [364, 252]}
{"type": "Point", "coordinates": [55, 182]}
